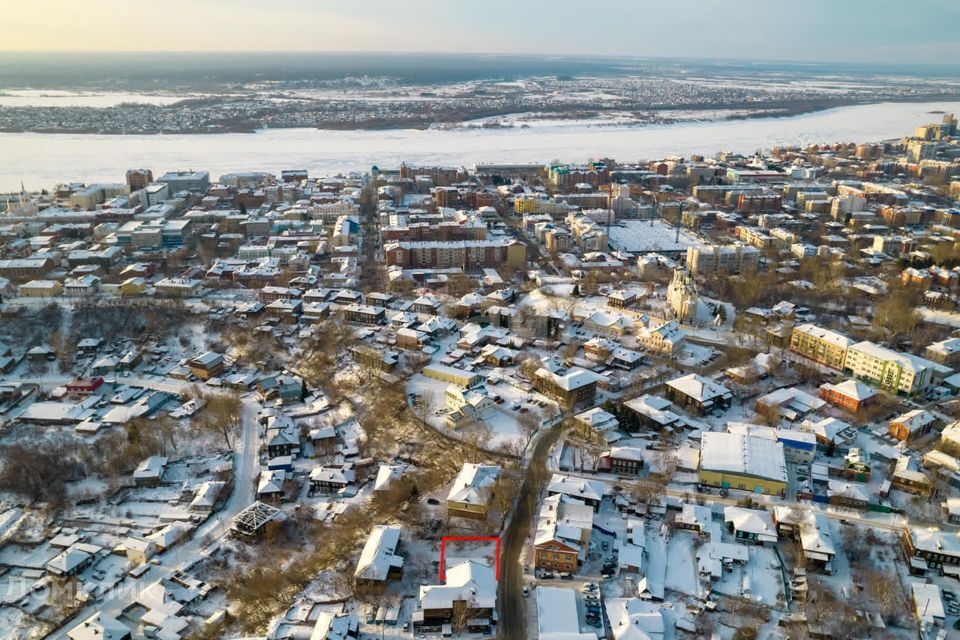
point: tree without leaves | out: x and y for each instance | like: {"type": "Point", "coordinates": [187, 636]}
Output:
{"type": "Point", "coordinates": [529, 424]}
{"type": "Point", "coordinates": [221, 414]}
{"type": "Point", "coordinates": [885, 589]}
{"type": "Point", "coordinates": [38, 473]}
{"type": "Point", "coordinates": [463, 612]}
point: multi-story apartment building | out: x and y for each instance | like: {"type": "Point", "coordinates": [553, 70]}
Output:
{"type": "Point", "coordinates": [821, 345]}
{"type": "Point", "coordinates": [891, 370]}
{"type": "Point", "coordinates": [562, 175]}
{"type": "Point", "coordinates": [754, 237]}
{"type": "Point", "coordinates": [177, 181]}
{"type": "Point", "coordinates": [733, 258]}
{"type": "Point", "coordinates": [946, 352]}
{"type": "Point", "coordinates": [96, 194]}
{"type": "Point", "coordinates": [532, 204]}
{"type": "Point", "coordinates": [138, 179]}
{"type": "Point", "coordinates": [465, 254]}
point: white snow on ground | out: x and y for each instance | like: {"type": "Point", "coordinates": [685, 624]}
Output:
{"type": "Point", "coordinates": [656, 550]}
{"type": "Point", "coordinates": [644, 236]}
{"type": "Point", "coordinates": [681, 562]}
{"type": "Point", "coordinates": [758, 580]}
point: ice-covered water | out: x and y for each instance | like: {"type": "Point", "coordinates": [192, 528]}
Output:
{"type": "Point", "coordinates": [53, 98]}
{"type": "Point", "coordinates": [43, 160]}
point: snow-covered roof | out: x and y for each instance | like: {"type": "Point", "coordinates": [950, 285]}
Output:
{"type": "Point", "coordinates": [573, 378]}
{"type": "Point", "coordinates": [470, 581]}
{"type": "Point", "coordinates": [934, 540]}
{"type": "Point", "coordinates": [927, 602]}
{"type": "Point", "coordinates": [335, 626]}
{"type": "Point", "coordinates": [576, 487]}
{"type": "Point", "coordinates": [67, 561]}
{"type": "Point", "coordinates": [170, 534]}
{"type": "Point", "coordinates": [151, 468]}
{"type": "Point", "coordinates": [853, 389]}
{"type": "Point", "coordinates": [653, 407]}
{"type": "Point", "coordinates": [387, 474]}
{"type": "Point", "coordinates": [816, 537]}
{"type": "Point", "coordinates": [743, 454]}
{"type": "Point", "coordinates": [271, 481]}
{"type": "Point", "coordinates": [754, 521]}
{"type": "Point", "coordinates": [100, 626]}
{"type": "Point", "coordinates": [207, 494]}
{"type": "Point", "coordinates": [474, 484]}
{"type": "Point", "coordinates": [699, 388]}
{"type": "Point", "coordinates": [915, 420]}
{"type": "Point", "coordinates": [694, 515]}
{"type": "Point", "coordinates": [907, 361]}
{"type": "Point", "coordinates": [379, 553]}
{"type": "Point", "coordinates": [635, 619]}
{"type": "Point", "coordinates": [563, 519]}
{"type": "Point", "coordinates": [598, 419]}
{"type": "Point", "coordinates": [333, 475]}
{"type": "Point", "coordinates": [793, 399]}
{"type": "Point", "coordinates": [830, 429]}
{"type": "Point", "coordinates": [557, 617]}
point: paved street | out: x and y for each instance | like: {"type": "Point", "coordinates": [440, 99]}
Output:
{"type": "Point", "coordinates": [512, 621]}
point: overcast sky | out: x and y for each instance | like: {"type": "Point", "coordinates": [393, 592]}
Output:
{"type": "Point", "coordinates": [915, 31]}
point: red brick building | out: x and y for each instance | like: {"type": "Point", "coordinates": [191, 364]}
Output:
{"type": "Point", "coordinates": [850, 395]}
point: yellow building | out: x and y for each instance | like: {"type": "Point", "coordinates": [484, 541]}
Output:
{"type": "Point", "coordinates": [743, 462]}
{"type": "Point", "coordinates": [452, 375]}
{"type": "Point", "coordinates": [132, 287]}
{"type": "Point", "coordinates": [826, 347]}
{"type": "Point", "coordinates": [517, 255]}
{"type": "Point", "coordinates": [891, 370]}
{"type": "Point", "coordinates": [41, 289]}
{"type": "Point", "coordinates": [472, 491]}
{"type": "Point", "coordinates": [557, 240]}
{"type": "Point", "coordinates": [530, 204]}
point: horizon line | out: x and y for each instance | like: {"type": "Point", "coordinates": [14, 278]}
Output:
{"type": "Point", "coordinates": [502, 54]}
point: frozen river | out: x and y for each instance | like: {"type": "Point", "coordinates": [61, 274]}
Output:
{"type": "Point", "coordinates": [43, 160]}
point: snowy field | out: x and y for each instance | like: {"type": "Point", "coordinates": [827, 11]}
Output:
{"type": "Point", "coordinates": [646, 236]}
{"type": "Point", "coordinates": [98, 99]}
{"type": "Point", "coordinates": [54, 157]}
{"type": "Point", "coordinates": [503, 427]}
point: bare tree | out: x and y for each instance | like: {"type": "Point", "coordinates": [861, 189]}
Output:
{"type": "Point", "coordinates": [529, 424]}
{"type": "Point", "coordinates": [221, 414]}
{"type": "Point", "coordinates": [885, 589]}
{"type": "Point", "coordinates": [463, 612]}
